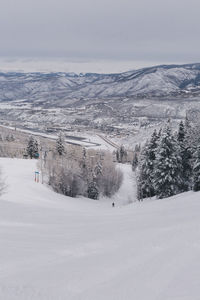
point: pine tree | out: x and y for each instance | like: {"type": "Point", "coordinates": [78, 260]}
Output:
{"type": "Point", "coordinates": [186, 155]}
{"type": "Point", "coordinates": [192, 134]}
{"type": "Point", "coordinates": [32, 147]}
{"type": "Point", "coordinates": [98, 169]}
{"type": "Point", "coordinates": [196, 171]}
{"type": "Point", "coordinates": [36, 150]}
{"type": "Point", "coordinates": [122, 154]}
{"type": "Point", "coordinates": [92, 191]}
{"type": "Point", "coordinates": [60, 145]}
{"type": "Point", "coordinates": [144, 184]}
{"type": "Point", "coordinates": [84, 158]}
{"type": "Point", "coordinates": [160, 133]}
{"type": "Point", "coordinates": [135, 161]}
{"type": "Point", "coordinates": [137, 148]}
{"type": "Point", "coordinates": [168, 167]}
{"type": "Point", "coordinates": [117, 155]}
{"type": "Point", "coordinates": [181, 132]}
{"type": "Point", "coordinates": [187, 124]}
{"type": "Point", "coordinates": [153, 145]}
{"type": "Point", "coordinates": [146, 168]}
{"type": "Point", "coordinates": [136, 154]}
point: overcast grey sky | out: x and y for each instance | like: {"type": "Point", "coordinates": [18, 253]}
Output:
{"type": "Point", "coordinates": [159, 31]}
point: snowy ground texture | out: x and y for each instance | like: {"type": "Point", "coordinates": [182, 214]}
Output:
{"type": "Point", "coordinates": [56, 248]}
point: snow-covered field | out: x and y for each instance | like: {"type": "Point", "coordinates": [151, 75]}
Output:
{"type": "Point", "coordinates": [89, 140]}
{"type": "Point", "coordinates": [57, 248]}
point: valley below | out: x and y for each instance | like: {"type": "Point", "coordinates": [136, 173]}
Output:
{"type": "Point", "coordinates": [118, 105]}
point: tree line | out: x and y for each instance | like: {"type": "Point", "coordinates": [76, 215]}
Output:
{"type": "Point", "coordinates": [169, 162]}
{"type": "Point", "coordinates": [73, 170]}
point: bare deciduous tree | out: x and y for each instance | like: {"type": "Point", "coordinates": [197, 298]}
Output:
{"type": "Point", "coordinates": [73, 173]}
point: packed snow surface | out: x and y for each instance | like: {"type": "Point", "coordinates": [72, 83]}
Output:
{"type": "Point", "coordinates": [55, 247]}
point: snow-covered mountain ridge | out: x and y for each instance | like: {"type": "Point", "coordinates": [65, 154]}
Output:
{"type": "Point", "coordinates": [158, 81]}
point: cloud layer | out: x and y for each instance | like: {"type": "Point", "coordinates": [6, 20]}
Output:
{"type": "Point", "coordinates": [118, 30]}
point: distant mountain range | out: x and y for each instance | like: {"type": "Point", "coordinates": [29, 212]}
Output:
{"type": "Point", "coordinates": [159, 81]}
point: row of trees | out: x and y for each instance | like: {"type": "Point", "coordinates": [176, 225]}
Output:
{"type": "Point", "coordinates": [169, 162]}
{"type": "Point", "coordinates": [8, 138]}
{"type": "Point", "coordinates": [32, 148]}
{"type": "Point", "coordinates": [89, 173]}
{"type": "Point", "coordinates": [121, 155]}
{"type": "Point", "coordinates": [72, 170]}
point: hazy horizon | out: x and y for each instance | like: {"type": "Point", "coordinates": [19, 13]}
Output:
{"type": "Point", "coordinates": [62, 65]}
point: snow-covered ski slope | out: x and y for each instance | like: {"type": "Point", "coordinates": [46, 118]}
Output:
{"type": "Point", "coordinates": [56, 248]}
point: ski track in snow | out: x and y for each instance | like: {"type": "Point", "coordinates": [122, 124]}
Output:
{"type": "Point", "coordinates": [56, 248]}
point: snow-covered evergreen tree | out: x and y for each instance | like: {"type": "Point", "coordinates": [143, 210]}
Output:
{"type": "Point", "coordinates": [192, 133]}
{"type": "Point", "coordinates": [136, 154]}
{"type": "Point", "coordinates": [186, 155]}
{"type": "Point", "coordinates": [84, 158]}
{"type": "Point", "coordinates": [36, 150]}
{"type": "Point", "coordinates": [181, 132]}
{"type": "Point", "coordinates": [98, 169]}
{"type": "Point", "coordinates": [117, 155]}
{"type": "Point", "coordinates": [32, 147]}
{"type": "Point", "coordinates": [137, 148]}
{"type": "Point", "coordinates": [153, 145]}
{"type": "Point", "coordinates": [143, 178]}
{"type": "Point", "coordinates": [92, 191]}
{"type": "Point", "coordinates": [135, 161]}
{"type": "Point", "coordinates": [121, 154]}
{"type": "Point", "coordinates": [168, 166]}
{"type": "Point", "coordinates": [60, 145]}
{"type": "Point", "coordinates": [196, 171]}
{"type": "Point", "coordinates": [146, 168]}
